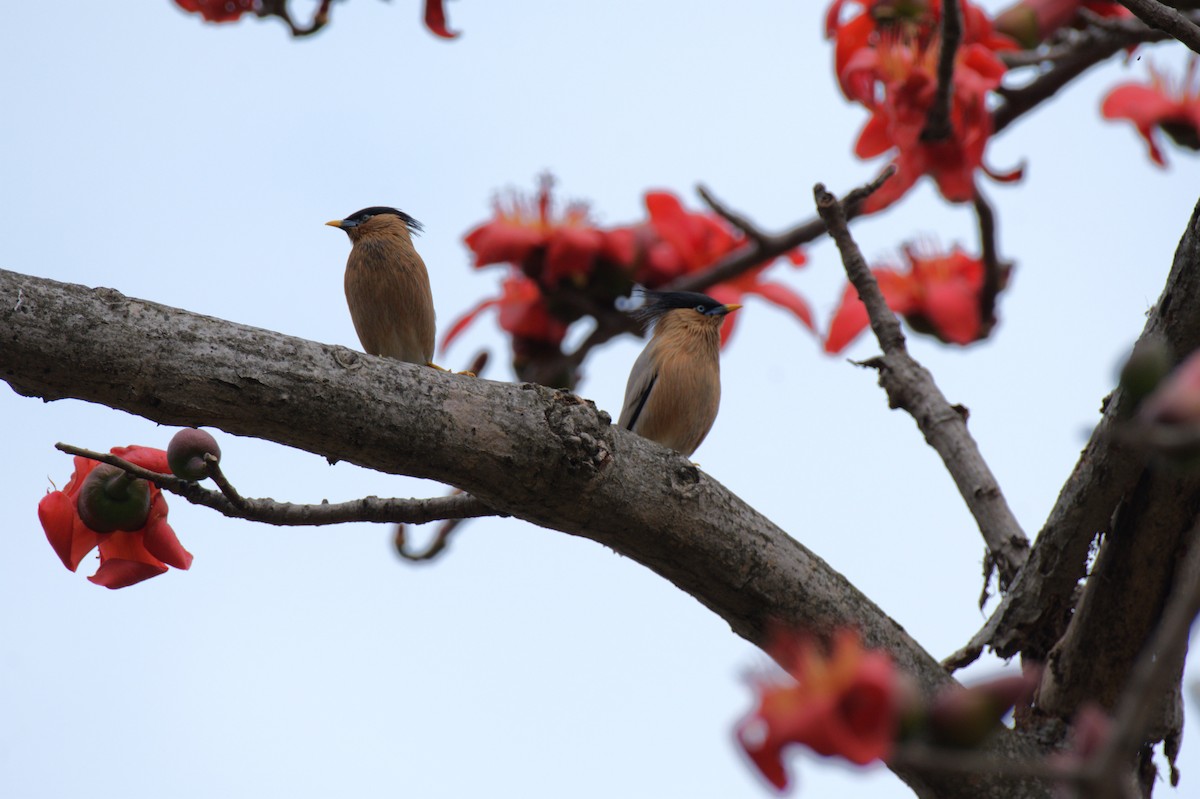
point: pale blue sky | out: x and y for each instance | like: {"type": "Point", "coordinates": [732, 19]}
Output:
{"type": "Point", "coordinates": [194, 166]}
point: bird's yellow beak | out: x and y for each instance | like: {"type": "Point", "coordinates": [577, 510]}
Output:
{"type": "Point", "coordinates": [335, 223]}
{"type": "Point", "coordinates": [732, 308]}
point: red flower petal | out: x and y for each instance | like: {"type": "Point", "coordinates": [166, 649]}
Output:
{"type": "Point", "coordinates": [848, 321]}
{"type": "Point", "coordinates": [503, 242]}
{"type": "Point", "coordinates": [466, 319]}
{"type": "Point", "coordinates": [68, 537]}
{"type": "Point", "coordinates": [160, 540]}
{"type": "Point", "coordinates": [784, 297]}
{"type": "Point", "coordinates": [571, 253]}
{"type": "Point", "coordinates": [119, 573]}
{"type": "Point", "coordinates": [435, 19]}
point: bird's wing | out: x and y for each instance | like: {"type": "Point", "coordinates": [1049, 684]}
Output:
{"type": "Point", "coordinates": [637, 390]}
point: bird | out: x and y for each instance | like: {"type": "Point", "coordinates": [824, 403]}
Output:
{"type": "Point", "coordinates": [387, 285]}
{"type": "Point", "coordinates": [674, 388]}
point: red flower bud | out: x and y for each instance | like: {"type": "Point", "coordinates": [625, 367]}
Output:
{"type": "Point", "coordinates": [111, 499]}
{"type": "Point", "coordinates": [185, 453]}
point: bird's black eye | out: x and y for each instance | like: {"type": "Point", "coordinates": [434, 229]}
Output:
{"type": "Point", "coordinates": [701, 309]}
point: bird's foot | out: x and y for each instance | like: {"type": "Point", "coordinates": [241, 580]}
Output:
{"type": "Point", "coordinates": [451, 371]}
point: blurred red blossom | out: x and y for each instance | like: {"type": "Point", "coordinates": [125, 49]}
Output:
{"type": "Point", "coordinates": [523, 313]}
{"type": "Point", "coordinates": [915, 20]}
{"type": "Point", "coordinates": [125, 557]}
{"type": "Point", "coordinates": [886, 59]}
{"type": "Point", "coordinates": [842, 701]}
{"type": "Point", "coordinates": [700, 240]}
{"type": "Point", "coordinates": [220, 10]}
{"type": "Point", "coordinates": [566, 261]}
{"type": "Point", "coordinates": [938, 294]}
{"type": "Point", "coordinates": [550, 245]}
{"type": "Point", "coordinates": [1170, 106]}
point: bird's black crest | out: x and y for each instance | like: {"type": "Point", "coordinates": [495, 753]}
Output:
{"type": "Point", "coordinates": [375, 210]}
{"type": "Point", "coordinates": [658, 303]}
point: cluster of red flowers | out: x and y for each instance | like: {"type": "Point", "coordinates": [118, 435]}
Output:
{"type": "Point", "coordinates": [938, 294]}
{"type": "Point", "coordinates": [136, 551]}
{"type": "Point", "coordinates": [886, 58]}
{"type": "Point", "coordinates": [562, 261]}
{"type": "Point", "coordinates": [850, 702]}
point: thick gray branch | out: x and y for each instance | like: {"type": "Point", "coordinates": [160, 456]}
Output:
{"type": "Point", "coordinates": [540, 455]}
{"type": "Point", "coordinates": [1034, 614]}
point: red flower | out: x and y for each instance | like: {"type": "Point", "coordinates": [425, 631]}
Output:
{"type": "Point", "coordinates": [548, 246]}
{"type": "Point", "coordinates": [219, 10]}
{"type": "Point", "coordinates": [916, 20]}
{"type": "Point", "coordinates": [897, 80]}
{"type": "Point", "coordinates": [523, 313]}
{"type": "Point", "coordinates": [125, 557]}
{"type": "Point", "coordinates": [839, 703]}
{"type": "Point", "coordinates": [939, 294]}
{"type": "Point", "coordinates": [1175, 109]}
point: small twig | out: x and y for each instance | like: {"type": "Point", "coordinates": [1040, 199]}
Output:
{"type": "Point", "coordinates": [436, 546]}
{"type": "Point", "coordinates": [213, 465]}
{"type": "Point", "coordinates": [993, 271]}
{"type": "Point", "coordinates": [883, 322]}
{"type": "Point", "coordinates": [937, 121]}
{"type": "Point", "coordinates": [963, 657]}
{"type": "Point", "coordinates": [769, 246]}
{"type": "Point", "coordinates": [1166, 19]}
{"type": "Point", "coordinates": [279, 8]}
{"type": "Point", "coordinates": [910, 386]}
{"type": "Point", "coordinates": [1094, 46]}
{"type": "Point", "coordinates": [748, 228]}
{"type": "Point", "coordinates": [367, 509]}
{"type": "Point", "coordinates": [480, 363]}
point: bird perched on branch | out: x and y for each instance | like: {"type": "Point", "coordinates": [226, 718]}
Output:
{"type": "Point", "coordinates": [387, 287]}
{"type": "Point", "coordinates": [675, 386]}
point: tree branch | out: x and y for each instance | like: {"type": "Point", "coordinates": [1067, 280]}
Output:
{"type": "Point", "coordinates": [541, 455]}
{"type": "Point", "coordinates": [1094, 46]}
{"type": "Point", "coordinates": [911, 387]}
{"type": "Point", "coordinates": [994, 273]}
{"type": "Point", "coordinates": [287, 514]}
{"type": "Point", "coordinates": [1034, 614]}
{"type": "Point", "coordinates": [1166, 19]}
{"type": "Point", "coordinates": [764, 247]}
{"type": "Point", "coordinates": [937, 121]}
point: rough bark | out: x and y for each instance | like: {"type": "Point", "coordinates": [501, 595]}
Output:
{"type": "Point", "coordinates": [1034, 614]}
{"type": "Point", "coordinates": [537, 454]}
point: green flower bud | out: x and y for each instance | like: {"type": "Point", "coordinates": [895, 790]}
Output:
{"type": "Point", "coordinates": [111, 499]}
